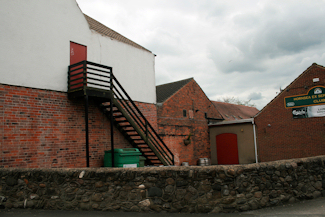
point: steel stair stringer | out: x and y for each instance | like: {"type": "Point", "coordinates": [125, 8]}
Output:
{"type": "Point", "coordinates": [146, 139]}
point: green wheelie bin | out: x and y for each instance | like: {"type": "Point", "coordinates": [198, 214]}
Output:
{"type": "Point", "coordinates": [126, 158]}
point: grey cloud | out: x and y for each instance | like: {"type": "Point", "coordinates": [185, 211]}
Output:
{"type": "Point", "coordinates": [255, 96]}
{"type": "Point", "coordinates": [269, 39]}
{"type": "Point", "coordinates": [235, 60]}
{"type": "Point", "coordinates": [247, 49]}
{"type": "Point", "coordinates": [273, 32]}
{"type": "Point", "coordinates": [164, 42]}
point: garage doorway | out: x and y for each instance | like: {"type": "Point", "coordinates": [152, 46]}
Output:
{"type": "Point", "coordinates": [227, 148]}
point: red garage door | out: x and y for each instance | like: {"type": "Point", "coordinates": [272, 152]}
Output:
{"type": "Point", "coordinates": [227, 148]}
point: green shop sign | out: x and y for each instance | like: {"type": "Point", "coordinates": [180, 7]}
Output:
{"type": "Point", "coordinates": [315, 96]}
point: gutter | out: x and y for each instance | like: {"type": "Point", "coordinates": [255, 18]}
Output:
{"type": "Point", "coordinates": [233, 122]}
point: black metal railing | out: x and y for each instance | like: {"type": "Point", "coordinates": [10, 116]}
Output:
{"type": "Point", "coordinates": [89, 75]}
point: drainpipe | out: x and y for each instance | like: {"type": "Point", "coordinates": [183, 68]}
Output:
{"type": "Point", "coordinates": [87, 129]}
{"type": "Point", "coordinates": [254, 130]}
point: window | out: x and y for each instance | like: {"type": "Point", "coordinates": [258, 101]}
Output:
{"type": "Point", "coordinates": [184, 113]}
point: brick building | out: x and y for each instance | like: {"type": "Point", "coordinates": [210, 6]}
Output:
{"type": "Point", "coordinates": [44, 120]}
{"type": "Point", "coordinates": [183, 110]}
{"type": "Point", "coordinates": [294, 129]}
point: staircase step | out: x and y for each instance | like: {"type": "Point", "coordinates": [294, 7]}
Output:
{"type": "Point", "coordinates": [138, 139]}
{"type": "Point", "coordinates": [108, 107]}
{"type": "Point", "coordinates": [156, 161]}
{"type": "Point", "coordinates": [152, 157]}
{"type": "Point", "coordinates": [143, 146]}
{"type": "Point", "coordinates": [129, 129]}
{"type": "Point", "coordinates": [105, 104]}
{"type": "Point", "coordinates": [108, 111]}
{"type": "Point", "coordinates": [124, 124]}
{"type": "Point", "coordinates": [146, 150]}
{"type": "Point", "coordinates": [115, 109]}
{"type": "Point", "coordinates": [122, 120]}
{"type": "Point", "coordinates": [132, 133]}
{"type": "Point", "coordinates": [149, 154]}
{"type": "Point", "coordinates": [118, 116]}
{"type": "Point", "coordinates": [135, 136]}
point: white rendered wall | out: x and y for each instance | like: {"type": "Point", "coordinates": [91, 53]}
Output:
{"type": "Point", "coordinates": [35, 44]}
{"type": "Point", "coordinates": [133, 67]}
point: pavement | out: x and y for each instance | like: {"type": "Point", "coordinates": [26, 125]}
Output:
{"type": "Point", "coordinates": [313, 208]}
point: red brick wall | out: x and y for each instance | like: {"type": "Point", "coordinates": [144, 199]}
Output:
{"type": "Point", "coordinates": [41, 128]}
{"type": "Point", "coordinates": [150, 112]}
{"type": "Point", "coordinates": [287, 137]}
{"type": "Point", "coordinates": [174, 128]}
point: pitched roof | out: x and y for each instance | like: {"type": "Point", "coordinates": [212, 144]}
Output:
{"type": "Point", "coordinates": [291, 84]}
{"type": "Point", "coordinates": [104, 30]}
{"type": "Point", "coordinates": [234, 112]}
{"type": "Point", "coordinates": [165, 91]}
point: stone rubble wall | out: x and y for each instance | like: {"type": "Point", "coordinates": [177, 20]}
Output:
{"type": "Point", "coordinates": [173, 189]}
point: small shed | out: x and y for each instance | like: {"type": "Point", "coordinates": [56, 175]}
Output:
{"type": "Point", "coordinates": [233, 142]}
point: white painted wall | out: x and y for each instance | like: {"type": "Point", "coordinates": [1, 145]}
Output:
{"type": "Point", "coordinates": [35, 42]}
{"type": "Point", "coordinates": [133, 67]}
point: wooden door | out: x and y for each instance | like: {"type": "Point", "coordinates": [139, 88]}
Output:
{"type": "Point", "coordinates": [227, 148]}
{"type": "Point", "coordinates": [78, 53]}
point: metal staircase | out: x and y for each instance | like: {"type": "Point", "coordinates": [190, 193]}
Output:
{"type": "Point", "coordinates": [87, 79]}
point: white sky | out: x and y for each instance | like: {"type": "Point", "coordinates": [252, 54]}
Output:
{"type": "Point", "coordinates": [246, 49]}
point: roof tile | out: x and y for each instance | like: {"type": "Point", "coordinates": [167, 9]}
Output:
{"type": "Point", "coordinates": [235, 112]}
{"type": "Point", "coordinates": [165, 91]}
{"type": "Point", "coordinates": [104, 30]}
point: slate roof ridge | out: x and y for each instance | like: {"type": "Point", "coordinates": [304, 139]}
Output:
{"type": "Point", "coordinates": [312, 65]}
{"type": "Point", "coordinates": [165, 91]}
{"type": "Point", "coordinates": [106, 31]}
